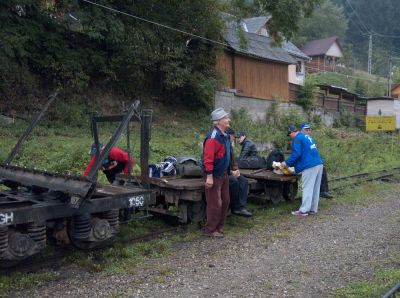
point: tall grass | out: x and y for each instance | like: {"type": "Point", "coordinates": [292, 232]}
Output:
{"type": "Point", "coordinates": [65, 148]}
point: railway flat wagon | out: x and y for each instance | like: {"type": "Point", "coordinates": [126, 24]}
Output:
{"type": "Point", "coordinates": [271, 186]}
{"type": "Point", "coordinates": [36, 203]}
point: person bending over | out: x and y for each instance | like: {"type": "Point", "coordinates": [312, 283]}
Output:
{"type": "Point", "coordinates": [115, 163]}
{"type": "Point", "coordinates": [307, 162]}
{"type": "Point", "coordinates": [324, 190]}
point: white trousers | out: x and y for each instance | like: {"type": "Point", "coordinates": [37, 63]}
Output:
{"type": "Point", "coordinates": [311, 182]}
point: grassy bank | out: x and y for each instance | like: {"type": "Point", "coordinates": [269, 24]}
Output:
{"type": "Point", "coordinates": [355, 81]}
{"type": "Point", "coordinates": [65, 148]}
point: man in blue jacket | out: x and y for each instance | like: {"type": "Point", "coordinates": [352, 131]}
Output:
{"type": "Point", "coordinates": [324, 190]}
{"type": "Point", "coordinates": [307, 162]}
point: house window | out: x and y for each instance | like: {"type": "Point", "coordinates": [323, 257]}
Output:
{"type": "Point", "coordinates": [298, 66]}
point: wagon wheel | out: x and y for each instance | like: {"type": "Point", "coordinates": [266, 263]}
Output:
{"type": "Point", "coordinates": [290, 190]}
{"type": "Point", "coordinates": [197, 211]}
{"type": "Point", "coordinates": [274, 193]}
{"type": "Point", "coordinates": [88, 229]}
{"type": "Point", "coordinates": [183, 210]}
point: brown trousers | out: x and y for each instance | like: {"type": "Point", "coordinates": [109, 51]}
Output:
{"type": "Point", "coordinates": [217, 198]}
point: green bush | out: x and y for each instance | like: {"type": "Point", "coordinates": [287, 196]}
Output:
{"type": "Point", "coordinates": [307, 93]}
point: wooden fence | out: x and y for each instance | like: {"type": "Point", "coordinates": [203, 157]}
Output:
{"type": "Point", "coordinates": [330, 103]}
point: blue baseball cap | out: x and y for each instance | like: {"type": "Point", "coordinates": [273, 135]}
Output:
{"type": "Point", "coordinates": [93, 148]}
{"type": "Point", "coordinates": [304, 126]}
{"type": "Point", "coordinates": [291, 128]}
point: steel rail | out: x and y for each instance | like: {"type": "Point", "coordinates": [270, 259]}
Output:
{"type": "Point", "coordinates": [386, 173]}
{"type": "Point", "coordinates": [57, 258]}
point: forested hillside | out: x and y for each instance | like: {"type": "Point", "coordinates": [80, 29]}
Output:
{"type": "Point", "coordinates": [76, 46]}
{"type": "Point", "coordinates": [354, 21]}
{"type": "Point", "coordinates": [121, 49]}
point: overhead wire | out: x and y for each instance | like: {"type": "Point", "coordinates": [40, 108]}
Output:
{"type": "Point", "coordinates": [369, 31]}
{"type": "Point", "coordinates": [155, 23]}
{"type": "Point", "coordinates": [358, 17]}
{"type": "Point", "coordinates": [360, 25]}
{"type": "Point", "coordinates": [385, 35]}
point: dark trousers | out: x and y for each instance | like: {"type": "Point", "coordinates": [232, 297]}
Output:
{"type": "Point", "coordinates": [238, 191]}
{"type": "Point", "coordinates": [324, 182]}
{"type": "Point", "coordinates": [110, 174]}
{"type": "Point", "coordinates": [217, 198]}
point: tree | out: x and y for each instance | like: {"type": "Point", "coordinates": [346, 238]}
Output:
{"type": "Point", "coordinates": [327, 20]}
{"type": "Point", "coordinates": [376, 18]}
{"type": "Point", "coordinates": [75, 45]}
{"type": "Point", "coordinates": [285, 14]}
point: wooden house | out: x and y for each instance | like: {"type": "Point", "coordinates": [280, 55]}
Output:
{"type": "Point", "coordinates": [259, 25]}
{"type": "Point", "coordinates": [395, 92]}
{"type": "Point", "coordinates": [253, 67]}
{"type": "Point", "coordinates": [325, 54]}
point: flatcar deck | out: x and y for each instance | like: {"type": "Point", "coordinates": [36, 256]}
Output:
{"type": "Point", "coordinates": [267, 175]}
{"type": "Point", "coordinates": [271, 186]}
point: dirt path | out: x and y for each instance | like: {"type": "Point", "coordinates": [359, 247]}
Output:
{"type": "Point", "coordinates": [303, 257]}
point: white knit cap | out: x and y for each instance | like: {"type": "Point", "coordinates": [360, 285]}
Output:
{"type": "Point", "coordinates": [218, 114]}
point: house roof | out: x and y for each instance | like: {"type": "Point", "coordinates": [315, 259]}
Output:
{"type": "Point", "coordinates": [380, 98]}
{"type": "Point", "coordinates": [338, 90]}
{"type": "Point", "coordinates": [257, 46]}
{"type": "Point", "coordinates": [293, 50]}
{"type": "Point", "coordinates": [320, 46]}
{"type": "Point", "coordinates": [254, 24]}
{"type": "Point", "coordinates": [394, 86]}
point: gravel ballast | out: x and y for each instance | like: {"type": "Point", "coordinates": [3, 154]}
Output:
{"type": "Point", "coordinates": [301, 257]}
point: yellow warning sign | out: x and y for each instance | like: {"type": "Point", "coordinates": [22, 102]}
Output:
{"type": "Point", "coordinates": [380, 123]}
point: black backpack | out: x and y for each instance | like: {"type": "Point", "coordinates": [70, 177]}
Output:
{"type": "Point", "coordinates": [252, 162]}
{"type": "Point", "coordinates": [275, 155]}
{"type": "Point", "coordinates": [188, 167]}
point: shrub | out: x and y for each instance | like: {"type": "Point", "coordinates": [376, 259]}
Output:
{"type": "Point", "coordinates": [306, 98]}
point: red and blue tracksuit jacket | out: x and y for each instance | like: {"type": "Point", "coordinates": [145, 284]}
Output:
{"type": "Point", "coordinates": [116, 154]}
{"type": "Point", "coordinates": [216, 153]}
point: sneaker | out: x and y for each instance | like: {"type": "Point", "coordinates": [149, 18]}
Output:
{"type": "Point", "coordinates": [312, 212]}
{"type": "Point", "coordinates": [242, 212]}
{"type": "Point", "coordinates": [299, 213]}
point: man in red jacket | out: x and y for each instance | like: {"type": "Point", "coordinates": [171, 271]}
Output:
{"type": "Point", "coordinates": [116, 162]}
{"type": "Point", "coordinates": [216, 165]}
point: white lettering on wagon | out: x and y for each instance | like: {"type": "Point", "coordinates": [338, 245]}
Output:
{"type": "Point", "coordinates": [6, 218]}
{"type": "Point", "coordinates": [137, 201]}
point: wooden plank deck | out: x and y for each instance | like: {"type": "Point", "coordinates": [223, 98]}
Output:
{"type": "Point", "coordinates": [263, 174]}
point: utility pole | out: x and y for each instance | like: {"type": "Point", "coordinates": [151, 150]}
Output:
{"type": "Point", "coordinates": [390, 75]}
{"type": "Point", "coordinates": [370, 54]}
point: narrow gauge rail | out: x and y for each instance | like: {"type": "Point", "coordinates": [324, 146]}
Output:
{"type": "Point", "coordinates": [359, 178]}
{"type": "Point", "coordinates": [55, 257]}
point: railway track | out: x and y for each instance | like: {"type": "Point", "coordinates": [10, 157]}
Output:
{"type": "Point", "coordinates": [55, 257]}
{"type": "Point", "coordinates": [359, 178]}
